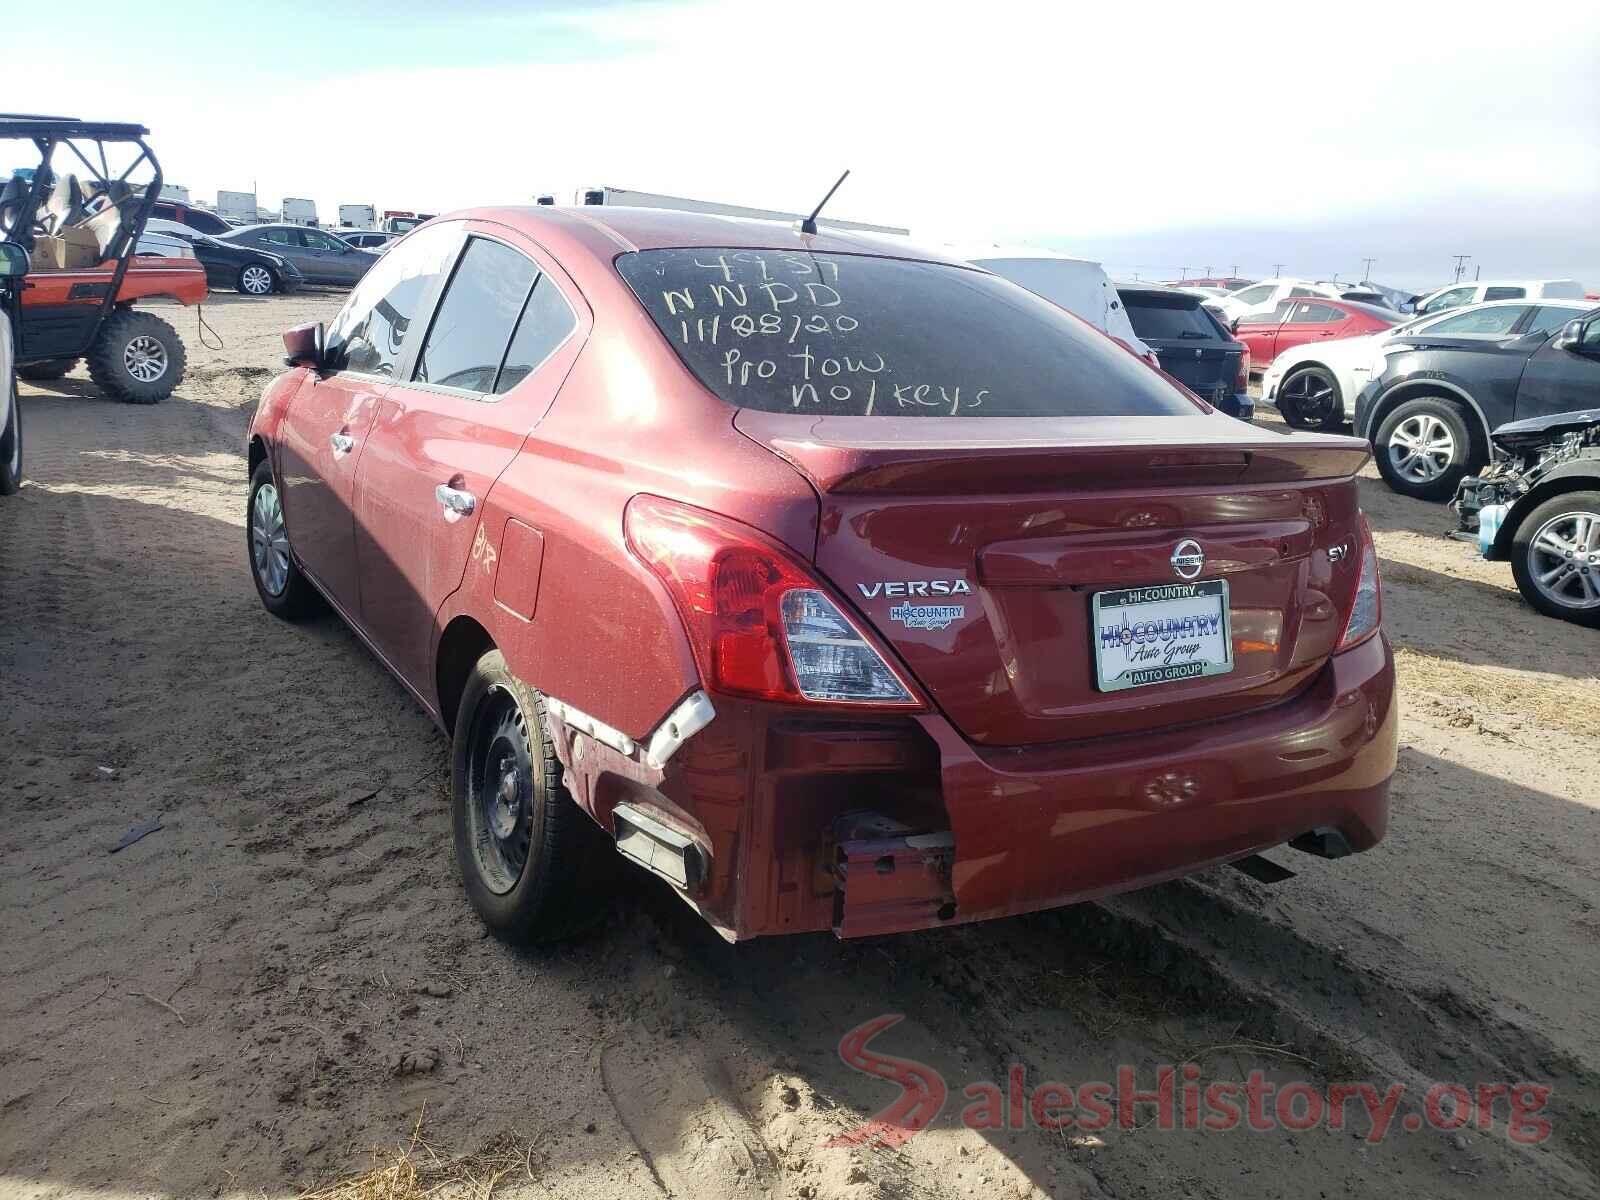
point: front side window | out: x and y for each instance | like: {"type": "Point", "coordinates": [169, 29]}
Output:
{"type": "Point", "coordinates": [1454, 298]}
{"type": "Point", "coordinates": [1480, 320]}
{"type": "Point", "coordinates": [1300, 292]}
{"type": "Point", "coordinates": [474, 321]}
{"type": "Point", "coordinates": [320, 241]}
{"type": "Point", "coordinates": [371, 331]}
{"type": "Point", "coordinates": [851, 335]}
{"type": "Point", "coordinates": [1259, 294]}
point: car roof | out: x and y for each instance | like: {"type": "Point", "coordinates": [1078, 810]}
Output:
{"type": "Point", "coordinates": [604, 230]}
{"type": "Point", "coordinates": [30, 125]}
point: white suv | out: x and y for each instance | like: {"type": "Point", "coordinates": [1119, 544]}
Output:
{"type": "Point", "coordinates": [1481, 290]}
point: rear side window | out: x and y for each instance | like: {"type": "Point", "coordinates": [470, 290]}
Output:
{"type": "Point", "coordinates": [545, 323]}
{"type": "Point", "coordinates": [850, 335]}
{"type": "Point", "coordinates": [474, 321]}
{"type": "Point", "coordinates": [1504, 293]}
{"type": "Point", "coordinates": [372, 330]}
{"type": "Point", "coordinates": [1256, 294]}
{"type": "Point", "coordinates": [280, 237]}
{"type": "Point", "coordinates": [1167, 317]}
{"type": "Point", "coordinates": [1315, 314]}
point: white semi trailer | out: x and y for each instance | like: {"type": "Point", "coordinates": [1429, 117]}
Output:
{"type": "Point", "coordinates": [633, 199]}
{"type": "Point", "coordinates": [297, 211]}
{"type": "Point", "coordinates": [358, 216]}
{"type": "Point", "coordinates": [237, 206]}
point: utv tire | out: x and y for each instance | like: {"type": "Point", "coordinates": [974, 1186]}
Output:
{"type": "Point", "coordinates": [137, 357]}
{"type": "Point", "coordinates": [11, 445]}
{"type": "Point", "coordinates": [1547, 541]}
{"type": "Point", "coordinates": [256, 280]}
{"type": "Point", "coordinates": [1424, 447]}
{"type": "Point", "coordinates": [284, 591]}
{"type": "Point", "coordinates": [56, 368]}
{"type": "Point", "coordinates": [1309, 398]}
{"type": "Point", "coordinates": [530, 858]}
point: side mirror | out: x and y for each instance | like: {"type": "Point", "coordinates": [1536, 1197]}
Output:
{"type": "Point", "coordinates": [1570, 337]}
{"type": "Point", "coordinates": [305, 345]}
{"type": "Point", "coordinates": [1233, 325]}
{"type": "Point", "coordinates": [14, 262]}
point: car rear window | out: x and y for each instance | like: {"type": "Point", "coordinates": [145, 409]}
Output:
{"type": "Point", "coordinates": [853, 335]}
{"type": "Point", "coordinates": [1155, 316]}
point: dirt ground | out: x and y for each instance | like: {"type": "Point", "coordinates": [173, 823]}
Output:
{"type": "Point", "coordinates": [286, 976]}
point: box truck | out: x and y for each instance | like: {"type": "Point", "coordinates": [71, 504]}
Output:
{"type": "Point", "coordinates": [297, 211]}
{"type": "Point", "coordinates": [357, 216]}
{"type": "Point", "coordinates": [237, 207]}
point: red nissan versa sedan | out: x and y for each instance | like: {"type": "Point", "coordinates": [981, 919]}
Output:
{"type": "Point", "coordinates": [839, 585]}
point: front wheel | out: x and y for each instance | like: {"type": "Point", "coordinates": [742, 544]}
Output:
{"type": "Point", "coordinates": [11, 445]}
{"type": "Point", "coordinates": [1309, 399]}
{"type": "Point", "coordinates": [527, 852]}
{"type": "Point", "coordinates": [284, 591]}
{"type": "Point", "coordinates": [1555, 558]}
{"type": "Point", "coordinates": [256, 280]}
{"type": "Point", "coordinates": [1423, 448]}
{"type": "Point", "coordinates": [137, 357]}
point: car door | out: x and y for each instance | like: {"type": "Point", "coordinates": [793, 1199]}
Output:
{"type": "Point", "coordinates": [1562, 375]}
{"type": "Point", "coordinates": [1260, 334]}
{"type": "Point", "coordinates": [285, 240]}
{"type": "Point", "coordinates": [503, 336]}
{"type": "Point", "coordinates": [1308, 321]}
{"type": "Point", "coordinates": [336, 260]}
{"type": "Point", "coordinates": [323, 433]}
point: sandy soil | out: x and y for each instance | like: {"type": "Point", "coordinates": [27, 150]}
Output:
{"type": "Point", "coordinates": [286, 975]}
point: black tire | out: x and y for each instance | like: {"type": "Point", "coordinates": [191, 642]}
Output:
{"type": "Point", "coordinates": [1529, 560]}
{"type": "Point", "coordinates": [1309, 398]}
{"type": "Point", "coordinates": [137, 357]}
{"type": "Point", "coordinates": [294, 597]}
{"type": "Point", "coordinates": [249, 281]}
{"type": "Point", "coordinates": [11, 443]}
{"type": "Point", "coordinates": [56, 368]}
{"type": "Point", "coordinates": [529, 856]}
{"type": "Point", "coordinates": [1439, 424]}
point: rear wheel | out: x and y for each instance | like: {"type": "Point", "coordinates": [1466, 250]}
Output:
{"type": "Point", "coordinates": [525, 848]}
{"type": "Point", "coordinates": [11, 444]}
{"type": "Point", "coordinates": [256, 280]}
{"type": "Point", "coordinates": [284, 591]}
{"type": "Point", "coordinates": [55, 368]}
{"type": "Point", "coordinates": [1424, 447]}
{"type": "Point", "coordinates": [1309, 398]}
{"type": "Point", "coordinates": [137, 357]}
{"type": "Point", "coordinates": [1555, 557]}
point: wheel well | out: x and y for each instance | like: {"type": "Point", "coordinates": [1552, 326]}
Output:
{"type": "Point", "coordinates": [461, 645]}
{"type": "Point", "coordinates": [257, 455]}
{"type": "Point", "coordinates": [1526, 504]}
{"type": "Point", "coordinates": [1428, 391]}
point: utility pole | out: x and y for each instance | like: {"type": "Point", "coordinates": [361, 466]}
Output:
{"type": "Point", "coordinates": [1461, 265]}
{"type": "Point", "coordinates": [1277, 270]}
{"type": "Point", "coordinates": [1233, 271]}
{"type": "Point", "coordinates": [1366, 268]}
{"type": "Point", "coordinates": [1183, 273]}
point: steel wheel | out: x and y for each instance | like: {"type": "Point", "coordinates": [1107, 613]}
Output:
{"type": "Point", "coordinates": [255, 280]}
{"type": "Point", "coordinates": [145, 358]}
{"type": "Point", "coordinates": [269, 541]}
{"type": "Point", "coordinates": [1422, 448]}
{"type": "Point", "coordinates": [500, 783]}
{"type": "Point", "coordinates": [1564, 560]}
{"type": "Point", "coordinates": [1310, 397]}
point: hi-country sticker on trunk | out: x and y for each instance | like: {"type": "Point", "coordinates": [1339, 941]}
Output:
{"type": "Point", "coordinates": [1161, 634]}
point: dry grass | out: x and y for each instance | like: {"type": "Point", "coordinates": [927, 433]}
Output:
{"type": "Point", "coordinates": [1545, 700]}
{"type": "Point", "coordinates": [418, 1171]}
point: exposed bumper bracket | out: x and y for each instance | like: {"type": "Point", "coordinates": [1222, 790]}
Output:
{"type": "Point", "coordinates": [889, 877]}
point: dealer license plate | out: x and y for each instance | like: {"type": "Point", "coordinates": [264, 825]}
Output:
{"type": "Point", "coordinates": [1161, 634]}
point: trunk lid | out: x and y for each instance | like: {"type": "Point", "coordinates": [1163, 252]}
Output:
{"type": "Point", "coordinates": [975, 546]}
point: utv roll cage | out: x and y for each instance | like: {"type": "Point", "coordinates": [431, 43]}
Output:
{"type": "Point", "coordinates": [103, 200]}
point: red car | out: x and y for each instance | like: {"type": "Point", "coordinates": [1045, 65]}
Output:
{"type": "Point", "coordinates": [1296, 322]}
{"type": "Point", "coordinates": [839, 586]}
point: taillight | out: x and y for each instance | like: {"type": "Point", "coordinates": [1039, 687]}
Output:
{"type": "Point", "coordinates": [1366, 612]}
{"type": "Point", "coordinates": [760, 624]}
{"type": "Point", "coordinates": [1241, 382]}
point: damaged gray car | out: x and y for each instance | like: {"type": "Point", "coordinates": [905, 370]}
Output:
{"type": "Point", "coordinates": [1537, 505]}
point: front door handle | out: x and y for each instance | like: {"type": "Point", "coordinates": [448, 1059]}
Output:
{"type": "Point", "coordinates": [455, 502]}
{"type": "Point", "coordinates": [342, 444]}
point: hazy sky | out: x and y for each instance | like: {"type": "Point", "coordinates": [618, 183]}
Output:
{"type": "Point", "coordinates": [1150, 136]}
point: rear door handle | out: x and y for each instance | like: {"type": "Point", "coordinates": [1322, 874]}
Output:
{"type": "Point", "coordinates": [455, 502]}
{"type": "Point", "coordinates": [342, 444]}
